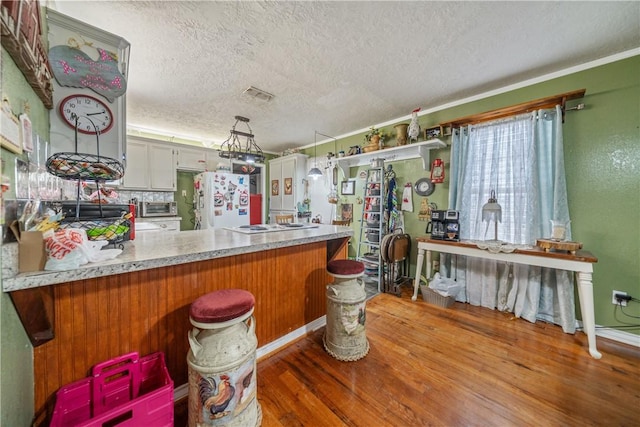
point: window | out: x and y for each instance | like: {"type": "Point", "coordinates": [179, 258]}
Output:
{"type": "Point", "coordinates": [521, 159]}
{"type": "Point", "coordinates": [499, 157]}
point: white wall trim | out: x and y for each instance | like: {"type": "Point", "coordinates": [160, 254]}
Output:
{"type": "Point", "coordinates": [291, 336]}
{"type": "Point", "coordinates": [619, 336]}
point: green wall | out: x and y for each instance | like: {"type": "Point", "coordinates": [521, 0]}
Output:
{"type": "Point", "coordinates": [185, 203]}
{"type": "Point", "coordinates": [16, 353]}
{"type": "Point", "coordinates": [602, 160]}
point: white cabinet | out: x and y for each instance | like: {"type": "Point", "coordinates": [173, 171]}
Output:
{"type": "Point", "coordinates": [150, 166]}
{"type": "Point", "coordinates": [136, 174]}
{"type": "Point", "coordinates": [214, 159]}
{"type": "Point", "coordinates": [286, 177]}
{"type": "Point", "coordinates": [192, 159]}
{"type": "Point", "coordinates": [144, 225]}
{"type": "Point", "coordinates": [162, 167]}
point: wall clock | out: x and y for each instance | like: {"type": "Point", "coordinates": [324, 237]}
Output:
{"type": "Point", "coordinates": [92, 115]}
{"type": "Point", "coordinates": [99, 48]}
{"type": "Point", "coordinates": [424, 187]}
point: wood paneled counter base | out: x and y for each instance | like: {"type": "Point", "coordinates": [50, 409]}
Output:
{"type": "Point", "coordinates": [147, 310]}
{"type": "Point", "coordinates": [581, 263]}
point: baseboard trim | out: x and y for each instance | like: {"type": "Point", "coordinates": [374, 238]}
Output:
{"type": "Point", "coordinates": [182, 391]}
{"type": "Point", "coordinates": [619, 336]}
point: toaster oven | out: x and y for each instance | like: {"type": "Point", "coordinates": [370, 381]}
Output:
{"type": "Point", "coordinates": [151, 209]}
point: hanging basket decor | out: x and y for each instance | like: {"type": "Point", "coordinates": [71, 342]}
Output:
{"type": "Point", "coordinates": [83, 166]}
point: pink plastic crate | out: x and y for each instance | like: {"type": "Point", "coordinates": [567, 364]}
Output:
{"type": "Point", "coordinates": [124, 391]}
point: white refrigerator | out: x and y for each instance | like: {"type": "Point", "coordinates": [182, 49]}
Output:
{"type": "Point", "coordinates": [221, 200]}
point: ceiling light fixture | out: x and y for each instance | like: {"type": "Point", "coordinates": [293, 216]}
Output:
{"type": "Point", "coordinates": [233, 148]}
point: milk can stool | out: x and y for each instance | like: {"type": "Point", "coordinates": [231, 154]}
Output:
{"type": "Point", "coordinates": [345, 335]}
{"type": "Point", "coordinates": [222, 360]}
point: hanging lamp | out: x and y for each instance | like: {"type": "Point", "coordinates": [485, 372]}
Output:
{"type": "Point", "coordinates": [233, 148]}
{"type": "Point", "coordinates": [315, 173]}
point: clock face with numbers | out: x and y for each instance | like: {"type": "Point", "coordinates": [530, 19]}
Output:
{"type": "Point", "coordinates": [424, 187]}
{"type": "Point", "coordinates": [89, 114]}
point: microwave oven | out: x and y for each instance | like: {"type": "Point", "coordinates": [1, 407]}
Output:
{"type": "Point", "coordinates": [150, 209]}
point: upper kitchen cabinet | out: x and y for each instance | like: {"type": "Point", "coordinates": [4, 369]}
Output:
{"type": "Point", "coordinates": [192, 159]}
{"type": "Point", "coordinates": [286, 175]}
{"type": "Point", "coordinates": [90, 69]}
{"type": "Point", "coordinates": [214, 160]}
{"type": "Point", "coordinates": [162, 167]}
{"type": "Point", "coordinates": [136, 173]}
{"type": "Point", "coordinates": [149, 166]}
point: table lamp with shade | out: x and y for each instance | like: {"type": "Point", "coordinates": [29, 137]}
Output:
{"type": "Point", "coordinates": [492, 211]}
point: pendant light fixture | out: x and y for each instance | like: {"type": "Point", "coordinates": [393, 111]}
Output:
{"type": "Point", "coordinates": [315, 173]}
{"type": "Point", "coordinates": [232, 148]}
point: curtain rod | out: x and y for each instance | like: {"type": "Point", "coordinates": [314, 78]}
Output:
{"type": "Point", "coordinates": [525, 107]}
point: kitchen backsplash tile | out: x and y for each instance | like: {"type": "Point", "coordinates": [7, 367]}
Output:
{"type": "Point", "coordinates": [146, 196]}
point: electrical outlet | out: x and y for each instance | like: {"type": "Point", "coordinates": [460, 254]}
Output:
{"type": "Point", "coordinates": [614, 301]}
{"type": "Point", "coordinates": [184, 193]}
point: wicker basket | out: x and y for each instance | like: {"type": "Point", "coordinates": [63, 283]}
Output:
{"type": "Point", "coordinates": [432, 297]}
{"type": "Point", "coordinates": [113, 230]}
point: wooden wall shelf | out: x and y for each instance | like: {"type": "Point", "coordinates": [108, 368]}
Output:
{"type": "Point", "coordinates": [392, 154]}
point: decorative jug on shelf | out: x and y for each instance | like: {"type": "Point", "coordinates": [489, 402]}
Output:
{"type": "Point", "coordinates": [401, 133]}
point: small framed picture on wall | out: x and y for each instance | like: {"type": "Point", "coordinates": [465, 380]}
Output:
{"type": "Point", "coordinates": [348, 188]}
{"type": "Point", "coordinates": [288, 186]}
{"type": "Point", "coordinates": [434, 132]}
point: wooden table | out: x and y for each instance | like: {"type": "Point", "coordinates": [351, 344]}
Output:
{"type": "Point", "coordinates": [581, 263]}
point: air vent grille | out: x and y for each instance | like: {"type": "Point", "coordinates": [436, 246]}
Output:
{"type": "Point", "coordinates": [260, 94]}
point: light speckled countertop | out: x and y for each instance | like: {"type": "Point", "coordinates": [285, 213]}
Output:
{"type": "Point", "coordinates": [153, 250]}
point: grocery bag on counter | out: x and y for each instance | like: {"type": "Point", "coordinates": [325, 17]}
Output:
{"type": "Point", "coordinates": [70, 248]}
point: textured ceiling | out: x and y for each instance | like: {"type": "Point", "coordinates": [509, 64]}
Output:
{"type": "Point", "coordinates": [337, 67]}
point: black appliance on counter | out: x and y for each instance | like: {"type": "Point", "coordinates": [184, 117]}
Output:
{"type": "Point", "coordinates": [452, 225]}
{"type": "Point", "coordinates": [444, 225]}
{"type": "Point", "coordinates": [436, 227]}
{"type": "Point", "coordinates": [87, 215]}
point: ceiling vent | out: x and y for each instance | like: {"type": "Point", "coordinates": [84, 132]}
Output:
{"type": "Point", "coordinates": [254, 92]}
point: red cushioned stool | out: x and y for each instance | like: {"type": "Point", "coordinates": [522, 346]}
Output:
{"type": "Point", "coordinates": [222, 360]}
{"type": "Point", "coordinates": [345, 335]}
{"type": "Point", "coordinates": [345, 268]}
{"type": "Point", "coordinates": [220, 308]}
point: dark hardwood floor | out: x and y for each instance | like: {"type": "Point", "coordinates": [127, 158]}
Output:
{"type": "Point", "coordinates": [462, 366]}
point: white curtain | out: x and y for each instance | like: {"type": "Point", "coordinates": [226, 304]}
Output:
{"type": "Point", "coordinates": [521, 159]}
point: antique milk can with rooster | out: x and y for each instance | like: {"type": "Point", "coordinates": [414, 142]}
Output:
{"type": "Point", "coordinates": [345, 336]}
{"type": "Point", "coordinates": [222, 361]}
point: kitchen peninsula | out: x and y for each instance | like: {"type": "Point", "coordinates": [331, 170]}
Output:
{"type": "Point", "coordinates": [140, 300]}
